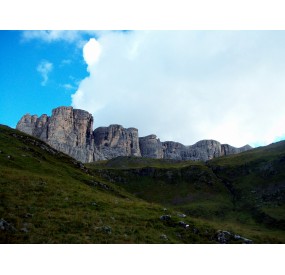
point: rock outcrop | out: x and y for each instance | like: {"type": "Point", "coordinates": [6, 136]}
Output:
{"type": "Point", "coordinates": [71, 131]}
{"type": "Point", "coordinates": [116, 141]}
{"type": "Point", "coordinates": [67, 130]}
{"type": "Point", "coordinates": [151, 147]}
{"type": "Point", "coordinates": [204, 150]}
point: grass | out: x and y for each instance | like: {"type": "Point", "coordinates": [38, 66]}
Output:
{"type": "Point", "coordinates": [48, 197]}
{"type": "Point", "coordinates": [243, 192]}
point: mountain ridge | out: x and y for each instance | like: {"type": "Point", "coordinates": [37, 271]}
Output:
{"type": "Point", "coordinates": [71, 131]}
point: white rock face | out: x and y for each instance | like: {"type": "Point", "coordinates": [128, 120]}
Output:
{"type": "Point", "coordinates": [71, 131]}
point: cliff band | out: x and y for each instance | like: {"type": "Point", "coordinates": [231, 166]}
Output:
{"type": "Point", "coordinates": [71, 131]}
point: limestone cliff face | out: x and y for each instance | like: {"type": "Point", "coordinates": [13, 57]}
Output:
{"type": "Point", "coordinates": [67, 130]}
{"type": "Point", "coordinates": [229, 150]}
{"type": "Point", "coordinates": [71, 131]}
{"type": "Point", "coordinates": [151, 147]}
{"type": "Point", "coordinates": [116, 141]}
{"type": "Point", "coordinates": [173, 150]}
{"type": "Point", "coordinates": [202, 150]}
{"type": "Point", "coordinates": [206, 149]}
{"type": "Point", "coordinates": [27, 124]}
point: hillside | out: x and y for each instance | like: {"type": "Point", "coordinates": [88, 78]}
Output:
{"type": "Point", "coordinates": [244, 191]}
{"type": "Point", "coordinates": [48, 197]}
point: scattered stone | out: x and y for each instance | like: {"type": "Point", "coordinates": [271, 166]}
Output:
{"type": "Point", "coordinates": [163, 236]}
{"type": "Point", "coordinates": [165, 217]}
{"type": "Point", "coordinates": [247, 241]}
{"type": "Point", "coordinates": [224, 237]}
{"type": "Point", "coordinates": [5, 226]}
{"type": "Point", "coordinates": [183, 224]}
{"type": "Point", "coordinates": [181, 215]}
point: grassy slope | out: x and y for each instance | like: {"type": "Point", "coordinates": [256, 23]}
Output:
{"type": "Point", "coordinates": [49, 198]}
{"type": "Point", "coordinates": [257, 182]}
{"type": "Point", "coordinates": [243, 192]}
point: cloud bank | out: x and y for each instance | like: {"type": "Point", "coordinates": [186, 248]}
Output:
{"type": "Point", "coordinates": [44, 68]}
{"type": "Point", "coordinates": [188, 85]}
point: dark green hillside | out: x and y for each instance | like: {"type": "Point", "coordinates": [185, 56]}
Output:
{"type": "Point", "coordinates": [48, 197]}
{"type": "Point", "coordinates": [256, 180]}
{"type": "Point", "coordinates": [244, 192]}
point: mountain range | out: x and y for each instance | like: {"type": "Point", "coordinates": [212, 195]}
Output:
{"type": "Point", "coordinates": [71, 131]}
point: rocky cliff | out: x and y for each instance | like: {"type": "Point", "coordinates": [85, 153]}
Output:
{"type": "Point", "coordinates": [116, 141]}
{"type": "Point", "coordinates": [68, 130]}
{"type": "Point", "coordinates": [71, 131]}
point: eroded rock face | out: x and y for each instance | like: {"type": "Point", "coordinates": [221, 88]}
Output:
{"type": "Point", "coordinates": [173, 150]}
{"type": "Point", "coordinates": [27, 124]}
{"type": "Point", "coordinates": [67, 130]}
{"type": "Point", "coordinates": [201, 151]}
{"type": "Point", "coordinates": [151, 147]}
{"type": "Point", "coordinates": [71, 131]}
{"type": "Point", "coordinates": [206, 149]}
{"type": "Point", "coordinates": [116, 141]}
{"type": "Point", "coordinates": [227, 149]}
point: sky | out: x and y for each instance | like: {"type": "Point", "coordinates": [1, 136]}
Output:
{"type": "Point", "coordinates": [180, 85]}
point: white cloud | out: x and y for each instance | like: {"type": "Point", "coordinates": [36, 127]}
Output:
{"type": "Point", "coordinates": [44, 68]}
{"type": "Point", "coordinates": [79, 38]}
{"type": "Point", "coordinates": [51, 36]}
{"type": "Point", "coordinates": [187, 86]}
{"type": "Point", "coordinates": [91, 52]}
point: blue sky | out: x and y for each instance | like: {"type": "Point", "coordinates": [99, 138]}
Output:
{"type": "Point", "coordinates": [180, 85]}
{"type": "Point", "coordinates": [21, 83]}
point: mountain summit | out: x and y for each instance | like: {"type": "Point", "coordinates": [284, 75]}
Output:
{"type": "Point", "coordinates": [71, 131]}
